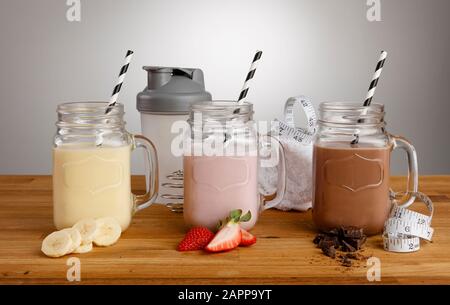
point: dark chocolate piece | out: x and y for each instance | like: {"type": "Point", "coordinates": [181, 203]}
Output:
{"type": "Point", "coordinates": [326, 243]}
{"type": "Point", "coordinates": [356, 243]}
{"type": "Point", "coordinates": [343, 239]}
{"type": "Point", "coordinates": [346, 247]}
{"type": "Point", "coordinates": [330, 251]}
{"type": "Point", "coordinates": [329, 241]}
{"type": "Point", "coordinates": [337, 242]}
{"type": "Point", "coordinates": [318, 238]}
{"type": "Point", "coordinates": [334, 232]}
{"type": "Point", "coordinates": [352, 232]}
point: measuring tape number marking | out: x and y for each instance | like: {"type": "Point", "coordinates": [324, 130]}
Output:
{"type": "Point", "coordinates": [404, 228]}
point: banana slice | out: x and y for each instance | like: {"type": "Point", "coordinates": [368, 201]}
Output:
{"type": "Point", "coordinates": [75, 236]}
{"type": "Point", "coordinates": [108, 231]}
{"type": "Point", "coordinates": [57, 244]}
{"type": "Point", "coordinates": [83, 248]}
{"type": "Point", "coordinates": [87, 228]}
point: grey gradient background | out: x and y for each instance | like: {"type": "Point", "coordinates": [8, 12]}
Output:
{"type": "Point", "coordinates": [322, 48]}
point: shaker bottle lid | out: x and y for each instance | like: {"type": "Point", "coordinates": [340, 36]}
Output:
{"type": "Point", "coordinates": [171, 90]}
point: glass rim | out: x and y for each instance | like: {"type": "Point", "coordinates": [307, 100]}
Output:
{"type": "Point", "coordinates": [350, 106]}
{"type": "Point", "coordinates": [87, 106]}
{"type": "Point", "coordinates": [219, 105]}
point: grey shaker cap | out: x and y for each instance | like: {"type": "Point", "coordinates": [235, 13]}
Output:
{"type": "Point", "coordinates": [171, 90]}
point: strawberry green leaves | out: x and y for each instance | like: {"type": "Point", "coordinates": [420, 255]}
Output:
{"type": "Point", "coordinates": [235, 217]}
{"type": "Point", "coordinates": [246, 217]}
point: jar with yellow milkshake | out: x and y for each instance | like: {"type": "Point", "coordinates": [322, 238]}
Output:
{"type": "Point", "coordinates": [91, 165]}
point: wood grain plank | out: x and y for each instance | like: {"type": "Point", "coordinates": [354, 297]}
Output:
{"type": "Point", "coordinates": [284, 253]}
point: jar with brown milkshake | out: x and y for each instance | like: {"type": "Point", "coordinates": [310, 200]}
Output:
{"type": "Point", "coordinates": [351, 167]}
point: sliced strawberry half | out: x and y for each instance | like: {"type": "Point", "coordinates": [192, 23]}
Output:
{"type": "Point", "coordinates": [229, 237]}
{"type": "Point", "coordinates": [196, 239]}
{"type": "Point", "coordinates": [247, 238]}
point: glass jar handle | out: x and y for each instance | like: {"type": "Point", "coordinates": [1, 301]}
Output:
{"type": "Point", "coordinates": [413, 176]}
{"type": "Point", "coordinates": [272, 200]}
{"type": "Point", "coordinates": [143, 201]}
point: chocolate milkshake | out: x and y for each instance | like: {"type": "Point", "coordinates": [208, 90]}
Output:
{"type": "Point", "coordinates": [351, 186]}
{"type": "Point", "coordinates": [351, 167]}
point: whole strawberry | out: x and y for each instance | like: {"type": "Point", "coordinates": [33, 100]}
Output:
{"type": "Point", "coordinates": [196, 239]}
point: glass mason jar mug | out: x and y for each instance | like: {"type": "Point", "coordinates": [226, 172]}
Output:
{"type": "Point", "coordinates": [222, 153]}
{"type": "Point", "coordinates": [351, 168]}
{"type": "Point", "coordinates": [91, 165]}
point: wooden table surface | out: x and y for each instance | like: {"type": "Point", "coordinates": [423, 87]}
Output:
{"type": "Point", "coordinates": [284, 253]}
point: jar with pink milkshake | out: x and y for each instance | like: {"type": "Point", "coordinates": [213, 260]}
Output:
{"type": "Point", "coordinates": [222, 153]}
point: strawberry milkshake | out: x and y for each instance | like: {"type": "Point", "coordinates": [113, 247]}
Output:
{"type": "Point", "coordinates": [214, 186]}
{"type": "Point", "coordinates": [221, 159]}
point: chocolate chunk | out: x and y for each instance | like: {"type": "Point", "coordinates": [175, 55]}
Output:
{"type": "Point", "coordinates": [336, 241]}
{"type": "Point", "coordinates": [346, 247]}
{"type": "Point", "coordinates": [334, 232]}
{"type": "Point", "coordinates": [346, 262]}
{"type": "Point", "coordinates": [330, 251]}
{"type": "Point", "coordinates": [343, 243]}
{"type": "Point", "coordinates": [356, 243]}
{"type": "Point", "coordinates": [329, 241]}
{"type": "Point", "coordinates": [353, 242]}
{"type": "Point", "coordinates": [352, 232]}
{"type": "Point", "coordinates": [318, 238]}
{"type": "Point", "coordinates": [326, 243]}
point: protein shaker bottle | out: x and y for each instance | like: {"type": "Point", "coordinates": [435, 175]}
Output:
{"type": "Point", "coordinates": [166, 99]}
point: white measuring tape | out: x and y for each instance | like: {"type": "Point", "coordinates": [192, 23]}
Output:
{"type": "Point", "coordinates": [287, 127]}
{"type": "Point", "coordinates": [404, 228]}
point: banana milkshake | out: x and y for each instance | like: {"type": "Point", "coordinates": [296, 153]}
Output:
{"type": "Point", "coordinates": [91, 182]}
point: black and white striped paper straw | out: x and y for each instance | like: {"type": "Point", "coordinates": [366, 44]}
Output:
{"type": "Point", "coordinates": [372, 88]}
{"type": "Point", "coordinates": [376, 77]}
{"type": "Point", "coordinates": [249, 77]}
{"type": "Point", "coordinates": [123, 72]}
